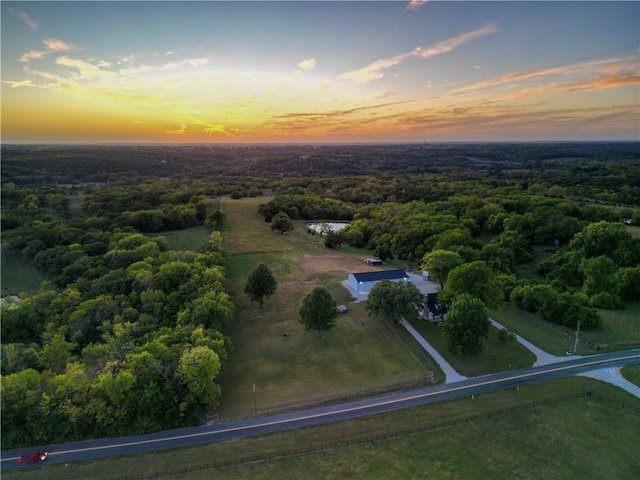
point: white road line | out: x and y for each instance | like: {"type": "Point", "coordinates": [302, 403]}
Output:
{"type": "Point", "coordinates": [331, 413]}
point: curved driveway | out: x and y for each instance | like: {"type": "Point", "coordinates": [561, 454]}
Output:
{"type": "Point", "coordinates": [610, 375]}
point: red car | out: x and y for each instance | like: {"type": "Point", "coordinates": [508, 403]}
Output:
{"type": "Point", "coordinates": [34, 457]}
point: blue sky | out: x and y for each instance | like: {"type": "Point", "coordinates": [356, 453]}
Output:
{"type": "Point", "coordinates": [319, 71]}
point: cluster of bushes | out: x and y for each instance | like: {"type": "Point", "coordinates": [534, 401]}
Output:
{"type": "Point", "coordinates": [562, 308]}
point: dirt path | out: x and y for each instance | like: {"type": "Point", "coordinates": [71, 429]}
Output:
{"type": "Point", "coordinates": [333, 262]}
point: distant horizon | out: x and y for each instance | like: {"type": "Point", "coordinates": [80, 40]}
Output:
{"type": "Point", "coordinates": [314, 72]}
{"type": "Point", "coordinates": [267, 144]}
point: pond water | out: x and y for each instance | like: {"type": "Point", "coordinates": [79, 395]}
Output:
{"type": "Point", "coordinates": [323, 226]}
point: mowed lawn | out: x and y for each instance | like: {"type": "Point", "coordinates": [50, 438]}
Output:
{"type": "Point", "coordinates": [620, 329]}
{"type": "Point", "coordinates": [496, 356]}
{"type": "Point", "coordinates": [359, 356]}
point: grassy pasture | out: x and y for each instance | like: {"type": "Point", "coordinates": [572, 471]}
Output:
{"type": "Point", "coordinates": [633, 230]}
{"type": "Point", "coordinates": [620, 329]}
{"type": "Point", "coordinates": [359, 356]}
{"type": "Point", "coordinates": [579, 438]}
{"type": "Point", "coordinates": [18, 276]}
{"type": "Point", "coordinates": [187, 239]}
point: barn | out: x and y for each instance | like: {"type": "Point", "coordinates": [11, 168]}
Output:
{"type": "Point", "coordinates": [364, 281]}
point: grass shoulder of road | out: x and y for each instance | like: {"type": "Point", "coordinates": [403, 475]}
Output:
{"type": "Point", "coordinates": [542, 430]}
{"type": "Point", "coordinates": [361, 355]}
{"type": "Point", "coordinates": [632, 373]}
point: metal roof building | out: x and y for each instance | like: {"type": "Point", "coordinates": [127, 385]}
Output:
{"type": "Point", "coordinates": [364, 281]}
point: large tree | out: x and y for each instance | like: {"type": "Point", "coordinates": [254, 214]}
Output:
{"type": "Point", "coordinates": [260, 283]}
{"type": "Point", "coordinates": [477, 279]}
{"type": "Point", "coordinates": [318, 311]}
{"type": "Point", "coordinates": [394, 299]}
{"type": "Point", "coordinates": [439, 263]}
{"type": "Point", "coordinates": [466, 325]}
{"type": "Point", "coordinates": [197, 370]}
{"type": "Point", "coordinates": [282, 223]}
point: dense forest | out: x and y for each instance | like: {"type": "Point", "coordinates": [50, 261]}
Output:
{"type": "Point", "coordinates": [127, 333]}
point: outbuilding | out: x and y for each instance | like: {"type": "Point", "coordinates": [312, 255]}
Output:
{"type": "Point", "coordinates": [434, 311]}
{"type": "Point", "coordinates": [364, 281]}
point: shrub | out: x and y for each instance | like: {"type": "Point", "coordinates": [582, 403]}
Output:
{"type": "Point", "coordinates": [606, 300]}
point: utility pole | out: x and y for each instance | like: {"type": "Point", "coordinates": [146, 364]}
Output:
{"type": "Point", "coordinates": [575, 344]}
{"type": "Point", "coordinates": [255, 405]}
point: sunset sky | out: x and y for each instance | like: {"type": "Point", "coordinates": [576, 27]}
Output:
{"type": "Point", "coordinates": [306, 71]}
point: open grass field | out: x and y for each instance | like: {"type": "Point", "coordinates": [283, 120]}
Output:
{"type": "Point", "coordinates": [496, 356]}
{"type": "Point", "coordinates": [529, 326]}
{"type": "Point", "coordinates": [633, 230]}
{"type": "Point", "coordinates": [18, 276]}
{"type": "Point", "coordinates": [594, 438]}
{"type": "Point", "coordinates": [187, 239]}
{"type": "Point", "coordinates": [620, 330]}
{"type": "Point", "coordinates": [361, 355]}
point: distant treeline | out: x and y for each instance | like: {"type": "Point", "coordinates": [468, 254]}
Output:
{"type": "Point", "coordinates": [607, 172]}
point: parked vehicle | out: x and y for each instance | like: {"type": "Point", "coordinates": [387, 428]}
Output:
{"type": "Point", "coordinates": [373, 261]}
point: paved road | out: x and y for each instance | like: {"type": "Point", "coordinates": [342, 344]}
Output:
{"type": "Point", "coordinates": [204, 434]}
{"type": "Point", "coordinates": [608, 375]}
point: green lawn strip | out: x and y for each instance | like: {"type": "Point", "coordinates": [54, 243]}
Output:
{"type": "Point", "coordinates": [496, 356]}
{"type": "Point", "coordinates": [529, 326]}
{"type": "Point", "coordinates": [18, 276]}
{"type": "Point", "coordinates": [521, 433]}
{"type": "Point", "coordinates": [620, 329]}
{"type": "Point", "coordinates": [632, 373]}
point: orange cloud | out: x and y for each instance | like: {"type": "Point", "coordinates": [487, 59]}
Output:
{"type": "Point", "coordinates": [416, 4]}
{"type": "Point", "coordinates": [606, 66]}
{"type": "Point", "coordinates": [374, 70]}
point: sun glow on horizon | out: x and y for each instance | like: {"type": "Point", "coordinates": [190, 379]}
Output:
{"type": "Point", "coordinates": [64, 90]}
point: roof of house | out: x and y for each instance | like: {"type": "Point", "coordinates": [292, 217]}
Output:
{"type": "Point", "coordinates": [380, 275]}
{"type": "Point", "coordinates": [434, 305]}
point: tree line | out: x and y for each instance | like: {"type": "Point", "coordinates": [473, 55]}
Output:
{"type": "Point", "coordinates": [127, 334]}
